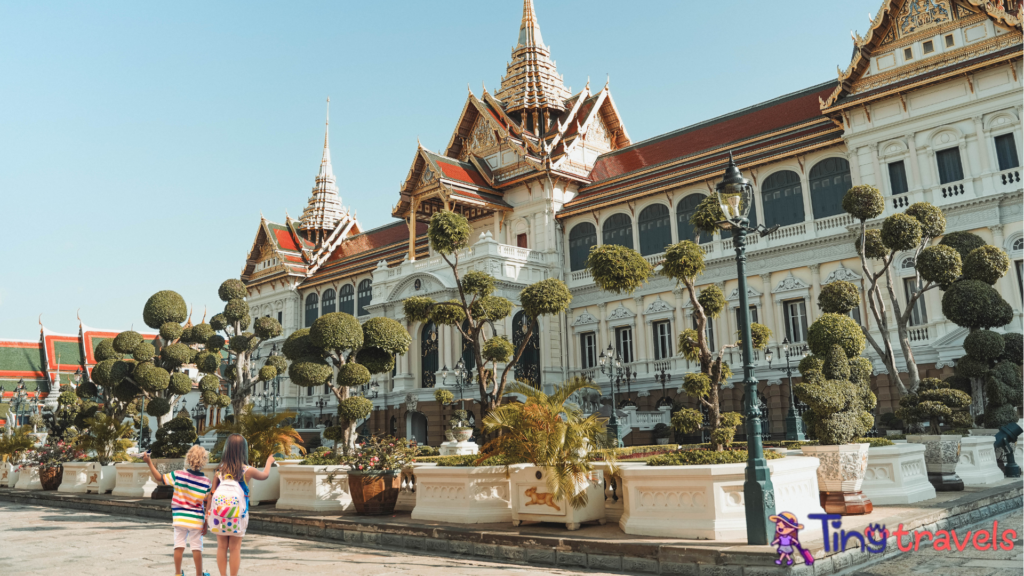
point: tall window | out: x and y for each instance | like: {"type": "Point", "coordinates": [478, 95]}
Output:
{"type": "Point", "coordinates": [618, 229]}
{"type": "Point", "coordinates": [1019, 265]}
{"type": "Point", "coordinates": [655, 229]}
{"type": "Point", "coordinates": [950, 168]}
{"type": "Point", "coordinates": [830, 179]}
{"type": "Point", "coordinates": [782, 199]}
{"type": "Point", "coordinates": [684, 211]}
{"type": "Point", "coordinates": [428, 354]}
{"type": "Point", "coordinates": [588, 350]}
{"type": "Point", "coordinates": [1006, 152]}
{"type": "Point", "coordinates": [709, 331]}
{"type": "Point", "coordinates": [365, 295]}
{"type": "Point", "coordinates": [624, 343]}
{"type": "Point", "coordinates": [581, 238]}
{"type": "Point", "coordinates": [528, 367]}
{"type": "Point", "coordinates": [347, 299]}
{"type": "Point", "coordinates": [312, 309]}
{"type": "Point", "coordinates": [327, 306]}
{"type": "Point", "coordinates": [796, 320]}
{"type": "Point", "coordinates": [753, 317]}
{"type": "Point", "coordinates": [521, 241]}
{"type": "Point", "coordinates": [919, 314]}
{"type": "Point", "coordinates": [662, 340]}
{"type": "Point", "coordinates": [280, 317]}
{"type": "Point", "coordinates": [898, 178]}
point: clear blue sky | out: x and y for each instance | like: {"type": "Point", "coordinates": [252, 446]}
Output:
{"type": "Point", "coordinates": [139, 141]}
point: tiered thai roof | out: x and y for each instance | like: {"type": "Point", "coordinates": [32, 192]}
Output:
{"type": "Point", "coordinates": [384, 246]}
{"type": "Point", "coordinates": [22, 360]}
{"type": "Point", "coordinates": [531, 81]}
{"type": "Point", "coordinates": [324, 214]}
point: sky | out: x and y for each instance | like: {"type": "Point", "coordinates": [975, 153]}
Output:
{"type": "Point", "coordinates": [139, 142]}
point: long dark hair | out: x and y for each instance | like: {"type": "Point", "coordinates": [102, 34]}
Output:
{"type": "Point", "coordinates": [235, 457]}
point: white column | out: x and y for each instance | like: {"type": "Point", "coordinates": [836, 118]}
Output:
{"type": "Point", "coordinates": [916, 182]}
{"type": "Point", "coordinates": [812, 306]}
{"type": "Point", "coordinates": [805, 185]}
{"type": "Point", "coordinates": [766, 306]}
{"type": "Point", "coordinates": [496, 231]}
{"type": "Point", "coordinates": [673, 223]}
{"type": "Point", "coordinates": [853, 157]}
{"type": "Point", "coordinates": [602, 327]}
{"type": "Point", "coordinates": [639, 335]}
{"type": "Point", "coordinates": [879, 177]}
{"type": "Point", "coordinates": [983, 156]}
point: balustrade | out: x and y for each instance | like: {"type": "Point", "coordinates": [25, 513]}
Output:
{"type": "Point", "coordinates": [1009, 177]}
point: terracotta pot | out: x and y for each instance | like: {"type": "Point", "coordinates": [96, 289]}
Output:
{"type": "Point", "coordinates": [840, 477]}
{"type": "Point", "coordinates": [374, 494]}
{"type": "Point", "coordinates": [51, 478]}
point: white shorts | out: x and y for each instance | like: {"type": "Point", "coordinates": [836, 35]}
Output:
{"type": "Point", "coordinates": [194, 537]}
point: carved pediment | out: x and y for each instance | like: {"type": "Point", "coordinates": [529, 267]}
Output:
{"type": "Point", "coordinates": [659, 305]}
{"type": "Point", "coordinates": [918, 15]}
{"type": "Point", "coordinates": [621, 313]}
{"type": "Point", "coordinates": [585, 318]}
{"type": "Point", "coordinates": [790, 283]}
{"type": "Point", "coordinates": [751, 293]}
{"type": "Point", "coordinates": [841, 273]}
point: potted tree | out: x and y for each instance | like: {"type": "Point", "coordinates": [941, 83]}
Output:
{"type": "Point", "coordinates": [936, 402]}
{"type": "Point", "coordinates": [50, 459]}
{"type": "Point", "coordinates": [108, 441]}
{"type": "Point", "coordinates": [266, 434]}
{"type": "Point", "coordinates": [662, 433]}
{"type": "Point", "coordinates": [552, 435]}
{"type": "Point", "coordinates": [12, 447]}
{"type": "Point", "coordinates": [374, 475]}
{"type": "Point", "coordinates": [835, 385]}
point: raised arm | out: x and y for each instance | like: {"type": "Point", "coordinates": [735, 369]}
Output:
{"type": "Point", "coordinates": [157, 476]}
{"type": "Point", "coordinates": [253, 473]}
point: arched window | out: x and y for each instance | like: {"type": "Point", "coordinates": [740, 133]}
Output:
{"type": "Point", "coordinates": [830, 179]}
{"type": "Point", "coordinates": [618, 229]}
{"type": "Point", "coordinates": [581, 238]}
{"type": "Point", "coordinates": [428, 353]}
{"type": "Point", "coordinates": [327, 306]}
{"type": "Point", "coordinates": [655, 229]}
{"type": "Point", "coordinates": [365, 295]}
{"type": "Point", "coordinates": [1018, 245]}
{"type": "Point", "coordinates": [782, 199]}
{"type": "Point", "coordinates": [347, 300]}
{"type": "Point", "coordinates": [468, 357]}
{"type": "Point", "coordinates": [312, 309]}
{"type": "Point", "coordinates": [528, 368]}
{"type": "Point", "coordinates": [684, 211]}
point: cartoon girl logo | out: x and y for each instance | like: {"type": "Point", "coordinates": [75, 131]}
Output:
{"type": "Point", "coordinates": [786, 538]}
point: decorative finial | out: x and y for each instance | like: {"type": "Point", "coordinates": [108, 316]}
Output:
{"type": "Point", "coordinates": [607, 80]}
{"type": "Point", "coordinates": [79, 316]}
{"type": "Point", "coordinates": [871, 19]}
{"type": "Point", "coordinates": [203, 321]}
{"type": "Point", "coordinates": [469, 89]}
{"type": "Point", "coordinates": [587, 88]}
{"type": "Point", "coordinates": [40, 323]}
{"type": "Point", "coordinates": [418, 143]}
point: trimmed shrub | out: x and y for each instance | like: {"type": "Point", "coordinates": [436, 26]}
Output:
{"type": "Point", "coordinates": [442, 396]}
{"type": "Point", "coordinates": [467, 460]}
{"type": "Point", "coordinates": [712, 300]}
{"type": "Point", "coordinates": [547, 297]}
{"type": "Point", "coordinates": [864, 202]}
{"type": "Point", "coordinates": [687, 345]}
{"type": "Point", "coordinates": [300, 345]}
{"type": "Point", "coordinates": [478, 283]}
{"type": "Point", "coordinates": [352, 374]}
{"type": "Point", "coordinates": [209, 383]}
{"type": "Point", "coordinates": [310, 372]}
{"type": "Point", "coordinates": [618, 269]}
{"type": "Point", "coordinates": [875, 247]}
{"type": "Point", "coordinates": [491, 308]}
{"type": "Point", "coordinates": [901, 232]}
{"type": "Point", "coordinates": [336, 331]}
{"type": "Point", "coordinates": [687, 420]}
{"type": "Point", "coordinates": [835, 329]}
{"type": "Point", "coordinates": [448, 313]}
{"type": "Point", "coordinates": [939, 264]}
{"type": "Point", "coordinates": [162, 307]}
{"type": "Point", "coordinates": [683, 260]}
{"type": "Point", "coordinates": [1013, 348]}
{"type": "Point", "coordinates": [170, 331]}
{"type": "Point", "coordinates": [219, 322]}
{"type": "Point", "coordinates": [984, 345]}
{"type": "Point", "coordinates": [497, 349]}
{"type": "Point", "coordinates": [235, 310]}
{"type": "Point", "coordinates": [175, 438]}
{"type": "Point", "coordinates": [232, 289]}
{"type": "Point", "coordinates": [706, 457]}
{"type": "Point", "coordinates": [241, 343]}
{"type": "Point", "coordinates": [975, 304]}
{"type": "Point", "coordinates": [266, 328]}
{"type": "Point", "coordinates": [157, 407]}
{"type": "Point", "coordinates": [207, 362]}
{"type": "Point", "coordinates": [353, 409]}
{"type": "Point", "coordinates": [177, 353]}
{"type": "Point", "coordinates": [760, 335]}
{"type": "Point", "coordinates": [267, 373]}
{"type": "Point", "coordinates": [151, 378]}
{"type": "Point", "coordinates": [179, 384]}
{"type": "Point", "coordinates": [963, 242]}
{"type": "Point", "coordinates": [448, 232]}
{"type": "Point", "coordinates": [935, 402]}
{"type": "Point", "coordinates": [105, 351]}
{"type": "Point", "coordinates": [986, 263]}
{"type": "Point", "coordinates": [375, 360]}
{"type": "Point", "coordinates": [202, 332]}
{"type": "Point", "coordinates": [839, 297]}
{"type": "Point", "coordinates": [279, 362]}
{"type": "Point", "coordinates": [931, 219]}
{"type": "Point", "coordinates": [417, 308]}
{"type": "Point", "coordinates": [387, 334]}
{"type": "Point", "coordinates": [127, 341]}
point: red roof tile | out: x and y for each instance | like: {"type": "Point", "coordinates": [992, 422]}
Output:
{"type": "Point", "coordinates": [285, 240]}
{"type": "Point", "coordinates": [376, 238]}
{"type": "Point", "coordinates": [462, 173]}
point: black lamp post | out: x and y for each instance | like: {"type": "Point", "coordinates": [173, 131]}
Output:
{"type": "Point", "coordinates": [143, 428]}
{"type": "Point", "coordinates": [320, 403]}
{"type": "Point", "coordinates": [736, 196]}
{"type": "Point", "coordinates": [663, 378]}
{"type": "Point", "coordinates": [610, 364]}
{"type": "Point", "coordinates": [20, 401]}
{"type": "Point", "coordinates": [794, 426]}
{"type": "Point", "coordinates": [626, 377]}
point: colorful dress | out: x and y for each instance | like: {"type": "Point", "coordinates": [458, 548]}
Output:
{"type": "Point", "coordinates": [785, 545]}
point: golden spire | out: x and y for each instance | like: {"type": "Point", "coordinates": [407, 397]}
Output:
{"type": "Point", "coordinates": [324, 209]}
{"type": "Point", "coordinates": [531, 79]}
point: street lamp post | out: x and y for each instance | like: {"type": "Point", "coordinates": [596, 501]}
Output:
{"type": "Point", "coordinates": [626, 377]}
{"type": "Point", "coordinates": [462, 379]}
{"type": "Point", "coordinates": [610, 364]}
{"type": "Point", "coordinates": [736, 195]}
{"type": "Point", "coordinates": [320, 403]}
{"type": "Point", "coordinates": [19, 400]}
{"type": "Point", "coordinates": [663, 378]}
{"type": "Point", "coordinates": [794, 428]}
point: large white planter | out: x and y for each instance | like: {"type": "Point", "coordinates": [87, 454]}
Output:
{"type": "Point", "coordinates": [314, 489]}
{"type": "Point", "coordinates": [532, 502]}
{"type": "Point", "coordinates": [29, 479]}
{"type": "Point", "coordinates": [941, 455]}
{"type": "Point", "coordinates": [841, 476]}
{"type": "Point", "coordinates": [977, 465]}
{"type": "Point", "coordinates": [76, 476]}
{"type": "Point", "coordinates": [462, 495]}
{"type": "Point", "coordinates": [897, 475]}
{"type": "Point", "coordinates": [133, 480]}
{"type": "Point", "coordinates": [12, 479]}
{"type": "Point", "coordinates": [459, 448]}
{"type": "Point", "coordinates": [5, 474]}
{"type": "Point", "coordinates": [706, 502]}
{"type": "Point", "coordinates": [102, 480]}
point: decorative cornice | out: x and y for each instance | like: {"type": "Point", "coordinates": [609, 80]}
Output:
{"type": "Point", "coordinates": [841, 273]}
{"type": "Point", "coordinates": [790, 283]}
{"type": "Point", "coordinates": [585, 318]}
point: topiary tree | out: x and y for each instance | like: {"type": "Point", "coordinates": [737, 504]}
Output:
{"type": "Point", "coordinates": [936, 402]}
{"type": "Point", "coordinates": [991, 374]}
{"type": "Point", "coordinates": [935, 266]}
{"type": "Point", "coordinates": [477, 307]}
{"type": "Point", "coordinates": [835, 381]}
{"type": "Point", "coordinates": [340, 353]}
{"type": "Point", "coordinates": [61, 422]}
{"type": "Point", "coordinates": [174, 438]}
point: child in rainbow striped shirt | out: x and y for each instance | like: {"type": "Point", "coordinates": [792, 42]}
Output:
{"type": "Point", "coordinates": [191, 489]}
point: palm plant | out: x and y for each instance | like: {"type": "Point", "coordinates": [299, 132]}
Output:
{"type": "Point", "coordinates": [266, 434]}
{"type": "Point", "coordinates": [14, 445]}
{"type": "Point", "coordinates": [107, 437]}
{"type": "Point", "coordinates": [549, 431]}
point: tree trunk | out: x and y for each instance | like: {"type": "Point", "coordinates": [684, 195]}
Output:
{"type": "Point", "coordinates": [977, 397]}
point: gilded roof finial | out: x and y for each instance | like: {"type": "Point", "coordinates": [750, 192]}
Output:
{"type": "Point", "coordinates": [587, 87]}
{"type": "Point", "coordinates": [607, 79]}
{"type": "Point", "coordinates": [418, 143]}
{"type": "Point", "coordinates": [40, 323]}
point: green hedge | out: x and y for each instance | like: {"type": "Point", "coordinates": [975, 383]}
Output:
{"type": "Point", "coordinates": [632, 452]}
{"type": "Point", "coordinates": [464, 460]}
{"type": "Point", "coordinates": [702, 457]}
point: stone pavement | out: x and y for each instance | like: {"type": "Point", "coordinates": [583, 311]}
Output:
{"type": "Point", "coordinates": [38, 541]}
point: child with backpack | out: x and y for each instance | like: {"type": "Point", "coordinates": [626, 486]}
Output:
{"type": "Point", "coordinates": [227, 516]}
{"type": "Point", "coordinates": [187, 505]}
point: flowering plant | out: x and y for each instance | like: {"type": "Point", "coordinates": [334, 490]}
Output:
{"type": "Point", "coordinates": [380, 454]}
{"type": "Point", "coordinates": [54, 454]}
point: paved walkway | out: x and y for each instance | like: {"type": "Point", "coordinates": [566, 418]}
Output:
{"type": "Point", "coordinates": [40, 541]}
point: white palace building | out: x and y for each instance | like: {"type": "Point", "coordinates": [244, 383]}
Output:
{"type": "Point", "coordinates": [928, 109]}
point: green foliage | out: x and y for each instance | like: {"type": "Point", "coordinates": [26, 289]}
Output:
{"type": "Point", "coordinates": [491, 308]}
{"type": "Point", "coordinates": [470, 460]}
{"type": "Point", "coordinates": [300, 345]}
{"type": "Point", "coordinates": [837, 391]}
{"type": "Point", "coordinates": [448, 232]}
{"type": "Point", "coordinates": [477, 283]}
{"type": "Point", "coordinates": [975, 304]}
{"type": "Point", "coordinates": [712, 300]}
{"type": "Point", "coordinates": [375, 360]}
{"type": "Point", "coordinates": [179, 384]}
{"type": "Point", "coordinates": [864, 202]}
{"type": "Point", "coordinates": [352, 374]}
{"type": "Point", "coordinates": [207, 362]}
{"type": "Point", "coordinates": [215, 343]}
{"type": "Point", "coordinates": [105, 351]}
{"type": "Point", "coordinates": [442, 396]}
{"type": "Point", "coordinates": [889, 420]}
{"type": "Point", "coordinates": [839, 297]}
{"type": "Point", "coordinates": [108, 438]}
{"type": "Point", "coordinates": [127, 341]}
{"type": "Point", "coordinates": [335, 433]}
{"type": "Point", "coordinates": [874, 442]}
{"type": "Point", "coordinates": [336, 331]}
{"type": "Point", "coordinates": [266, 328]}
{"type": "Point", "coordinates": [1004, 388]}
{"type": "Point", "coordinates": [387, 334]}
{"type": "Point", "coordinates": [935, 402]}
{"type": "Point", "coordinates": [963, 242]}
{"type": "Point", "coordinates": [831, 329]}
{"type": "Point", "coordinates": [267, 434]}
{"type": "Point", "coordinates": [323, 456]}
{"type": "Point", "coordinates": [1013, 348]}
{"type": "Point", "coordinates": [687, 421]}
{"type": "Point", "coordinates": [87, 389]}
{"type": "Point", "coordinates": [417, 308]}
{"type": "Point", "coordinates": [354, 409]}
{"type": "Point", "coordinates": [219, 322]}
{"type": "Point", "coordinates": [706, 457]}
{"type": "Point", "coordinates": [202, 332]}
{"type": "Point", "coordinates": [931, 219]}
{"type": "Point", "coordinates": [835, 365]}
{"type": "Point", "coordinates": [497, 349]}
{"type": "Point", "coordinates": [151, 378]}
{"type": "Point", "coordinates": [232, 289]}
{"type": "Point", "coordinates": [986, 263]}
{"type": "Point", "coordinates": [16, 444]}
{"type": "Point", "coordinates": [144, 352]}
{"type": "Point", "coordinates": [683, 260]}
{"type": "Point", "coordinates": [618, 269]}
{"type": "Point", "coordinates": [547, 297]}
{"type": "Point", "coordinates": [157, 407]}
{"type": "Point", "coordinates": [176, 354]}
{"type": "Point", "coordinates": [235, 310]}
{"type": "Point", "coordinates": [310, 372]}
{"type": "Point", "coordinates": [984, 345]}
{"type": "Point", "coordinates": [208, 383]}
{"type": "Point", "coordinates": [760, 335]}
{"type": "Point", "coordinates": [687, 345]}
{"type": "Point", "coordinates": [875, 247]}
{"type": "Point", "coordinates": [939, 264]}
{"type": "Point", "coordinates": [267, 373]}
{"type": "Point", "coordinates": [697, 384]}
{"type": "Point", "coordinates": [126, 391]}
{"type": "Point", "coordinates": [278, 362]}
{"type": "Point", "coordinates": [241, 343]}
{"type": "Point", "coordinates": [706, 215]}
{"type": "Point", "coordinates": [162, 307]}
{"type": "Point", "coordinates": [901, 232]}
{"type": "Point", "coordinates": [101, 373]}
{"type": "Point", "coordinates": [448, 313]}
{"type": "Point", "coordinates": [170, 331]}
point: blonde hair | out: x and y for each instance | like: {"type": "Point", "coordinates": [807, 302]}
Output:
{"type": "Point", "coordinates": [196, 458]}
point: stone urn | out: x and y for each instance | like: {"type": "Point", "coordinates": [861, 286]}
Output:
{"type": "Point", "coordinates": [462, 434]}
{"type": "Point", "coordinates": [941, 455]}
{"type": "Point", "coordinates": [840, 477]}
